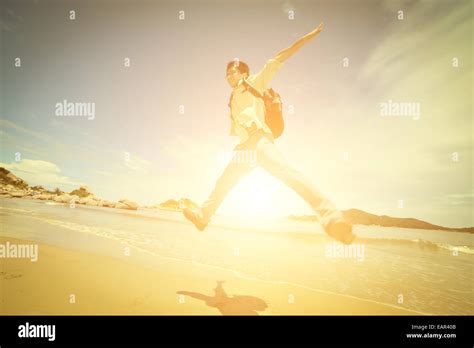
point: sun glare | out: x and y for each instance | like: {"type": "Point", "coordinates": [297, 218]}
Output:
{"type": "Point", "coordinates": [255, 196]}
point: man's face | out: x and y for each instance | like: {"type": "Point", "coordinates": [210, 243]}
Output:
{"type": "Point", "coordinates": [234, 76]}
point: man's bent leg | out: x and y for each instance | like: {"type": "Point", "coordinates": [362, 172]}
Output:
{"type": "Point", "coordinates": [273, 161]}
{"type": "Point", "coordinates": [238, 167]}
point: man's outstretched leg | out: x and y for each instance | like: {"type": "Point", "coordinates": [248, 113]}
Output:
{"type": "Point", "coordinates": [330, 218]}
{"type": "Point", "coordinates": [235, 170]}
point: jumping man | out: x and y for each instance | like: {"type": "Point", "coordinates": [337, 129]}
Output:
{"type": "Point", "coordinates": [247, 113]}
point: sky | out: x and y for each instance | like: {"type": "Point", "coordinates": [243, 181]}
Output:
{"type": "Point", "coordinates": [161, 124]}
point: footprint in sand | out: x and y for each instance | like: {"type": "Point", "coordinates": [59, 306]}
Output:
{"type": "Point", "coordinates": [6, 275]}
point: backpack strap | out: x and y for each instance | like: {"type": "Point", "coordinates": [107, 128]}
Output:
{"type": "Point", "coordinates": [230, 106]}
{"type": "Point", "coordinates": [252, 89]}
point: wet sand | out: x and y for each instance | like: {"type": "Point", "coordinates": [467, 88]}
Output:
{"type": "Point", "coordinates": [107, 285]}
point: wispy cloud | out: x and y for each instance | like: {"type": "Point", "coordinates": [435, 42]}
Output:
{"type": "Point", "coordinates": [457, 199]}
{"type": "Point", "coordinates": [416, 60]}
{"type": "Point", "coordinates": [136, 163]}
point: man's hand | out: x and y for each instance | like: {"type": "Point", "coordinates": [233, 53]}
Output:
{"type": "Point", "coordinates": [288, 52]}
{"type": "Point", "coordinates": [314, 33]}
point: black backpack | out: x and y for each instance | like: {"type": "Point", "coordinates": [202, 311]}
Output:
{"type": "Point", "coordinates": [273, 108]}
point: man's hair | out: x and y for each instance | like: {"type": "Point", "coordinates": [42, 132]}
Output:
{"type": "Point", "coordinates": [241, 66]}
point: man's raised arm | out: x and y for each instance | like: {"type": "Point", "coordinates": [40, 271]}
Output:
{"type": "Point", "coordinates": [263, 77]}
{"type": "Point", "coordinates": [289, 51]}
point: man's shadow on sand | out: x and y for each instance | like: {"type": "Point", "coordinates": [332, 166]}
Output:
{"type": "Point", "coordinates": [229, 305]}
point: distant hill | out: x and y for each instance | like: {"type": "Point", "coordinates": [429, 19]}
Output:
{"type": "Point", "coordinates": [360, 217]}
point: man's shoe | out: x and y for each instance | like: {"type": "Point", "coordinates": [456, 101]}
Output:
{"type": "Point", "coordinates": [195, 216]}
{"type": "Point", "coordinates": [342, 231]}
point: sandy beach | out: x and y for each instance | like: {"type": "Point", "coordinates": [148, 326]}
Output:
{"type": "Point", "coordinates": [107, 285]}
{"type": "Point", "coordinates": [96, 260]}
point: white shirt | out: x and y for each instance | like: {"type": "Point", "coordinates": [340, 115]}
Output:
{"type": "Point", "coordinates": [245, 108]}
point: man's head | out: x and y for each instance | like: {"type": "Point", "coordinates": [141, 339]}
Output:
{"type": "Point", "coordinates": [236, 70]}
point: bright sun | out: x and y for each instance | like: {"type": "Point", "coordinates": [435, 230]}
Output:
{"type": "Point", "coordinates": [258, 195]}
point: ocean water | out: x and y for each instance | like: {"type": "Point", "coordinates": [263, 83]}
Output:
{"type": "Point", "coordinates": [427, 272]}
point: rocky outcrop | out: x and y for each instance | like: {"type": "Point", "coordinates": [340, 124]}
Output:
{"type": "Point", "coordinates": [170, 204]}
{"type": "Point", "coordinates": [108, 204]}
{"type": "Point", "coordinates": [180, 204]}
{"type": "Point", "coordinates": [38, 189]}
{"type": "Point", "coordinates": [14, 187]}
{"type": "Point", "coordinates": [64, 198]}
{"type": "Point", "coordinates": [82, 191]}
{"type": "Point", "coordinates": [58, 192]}
{"type": "Point", "coordinates": [126, 204]}
{"type": "Point", "coordinates": [17, 194]}
{"type": "Point", "coordinates": [8, 178]}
